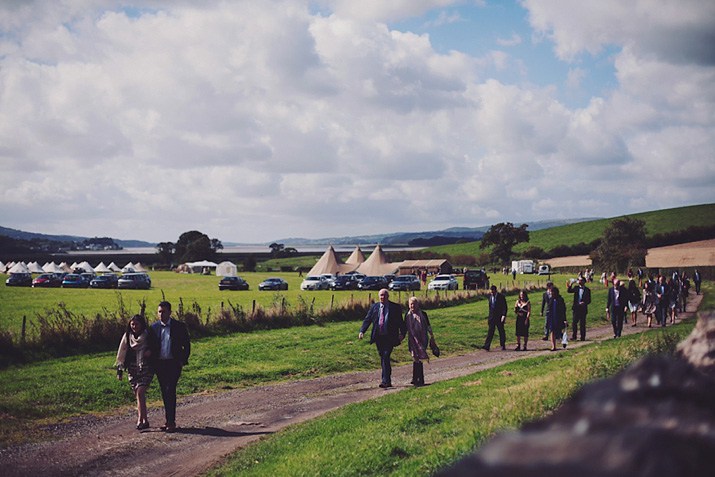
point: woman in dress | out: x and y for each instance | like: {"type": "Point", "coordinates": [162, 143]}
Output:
{"type": "Point", "coordinates": [674, 298]}
{"type": "Point", "coordinates": [634, 298]}
{"type": "Point", "coordinates": [522, 308]}
{"type": "Point", "coordinates": [556, 322]}
{"type": "Point", "coordinates": [133, 357]}
{"type": "Point", "coordinates": [417, 329]}
{"type": "Point", "coordinates": [648, 301]}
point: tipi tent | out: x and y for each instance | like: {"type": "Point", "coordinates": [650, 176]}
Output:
{"type": "Point", "coordinates": [226, 269]}
{"type": "Point", "coordinates": [356, 258]}
{"type": "Point", "coordinates": [101, 268]}
{"type": "Point", "coordinates": [139, 267]}
{"type": "Point", "coordinates": [2, 267]}
{"type": "Point", "coordinates": [114, 267]}
{"type": "Point", "coordinates": [331, 263]}
{"type": "Point", "coordinates": [65, 267]}
{"type": "Point", "coordinates": [128, 268]}
{"type": "Point", "coordinates": [377, 264]}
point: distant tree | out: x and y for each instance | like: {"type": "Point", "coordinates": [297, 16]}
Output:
{"type": "Point", "coordinates": [534, 252]}
{"type": "Point", "coordinates": [503, 237]}
{"type": "Point", "coordinates": [194, 245]}
{"type": "Point", "coordinates": [249, 263]}
{"type": "Point", "coordinates": [622, 245]}
{"type": "Point", "coordinates": [276, 249]}
{"type": "Point", "coordinates": [165, 251]}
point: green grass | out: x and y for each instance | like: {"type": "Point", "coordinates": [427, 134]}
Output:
{"type": "Point", "coordinates": [16, 302]}
{"type": "Point", "coordinates": [419, 431]}
{"type": "Point", "coordinates": [660, 221]}
{"type": "Point", "coordinates": [59, 388]}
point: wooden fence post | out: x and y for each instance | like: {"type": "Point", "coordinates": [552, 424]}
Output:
{"type": "Point", "coordinates": [332, 300]}
{"type": "Point", "coordinates": [22, 336]}
{"type": "Point", "coordinates": [253, 308]}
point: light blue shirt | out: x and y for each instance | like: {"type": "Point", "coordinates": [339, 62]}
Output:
{"type": "Point", "coordinates": [165, 352]}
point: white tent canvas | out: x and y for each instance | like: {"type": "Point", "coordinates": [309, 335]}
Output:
{"type": "Point", "coordinates": [138, 267]}
{"type": "Point", "coordinates": [226, 269]}
{"type": "Point", "coordinates": [86, 267]}
{"type": "Point", "coordinates": [65, 267]}
{"type": "Point", "coordinates": [114, 267]}
{"type": "Point", "coordinates": [35, 267]}
{"type": "Point", "coordinates": [2, 267]}
{"type": "Point", "coordinates": [52, 267]}
{"type": "Point", "coordinates": [101, 268]}
{"type": "Point", "coordinates": [19, 267]}
{"type": "Point", "coordinates": [128, 268]}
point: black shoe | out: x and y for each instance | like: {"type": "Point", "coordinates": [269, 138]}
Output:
{"type": "Point", "coordinates": [484, 348]}
{"type": "Point", "coordinates": [583, 339]}
{"type": "Point", "coordinates": [518, 348]}
{"type": "Point", "coordinates": [503, 348]}
{"type": "Point", "coordinates": [545, 338]}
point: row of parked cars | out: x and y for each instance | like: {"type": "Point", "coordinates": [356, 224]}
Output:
{"type": "Point", "coordinates": [80, 280]}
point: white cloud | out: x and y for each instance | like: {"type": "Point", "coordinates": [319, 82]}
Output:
{"type": "Point", "coordinates": [257, 120]}
{"type": "Point", "coordinates": [515, 39]}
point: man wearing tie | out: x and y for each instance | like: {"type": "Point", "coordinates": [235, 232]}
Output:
{"type": "Point", "coordinates": [388, 329]}
{"type": "Point", "coordinates": [497, 316]}
{"type": "Point", "coordinates": [616, 306]}
{"type": "Point", "coordinates": [662, 300]}
{"type": "Point", "coordinates": [581, 300]}
{"type": "Point", "coordinates": [171, 355]}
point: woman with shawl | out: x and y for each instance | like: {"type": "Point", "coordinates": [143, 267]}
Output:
{"type": "Point", "coordinates": [417, 328]}
{"type": "Point", "coordinates": [133, 356]}
{"type": "Point", "coordinates": [556, 320]}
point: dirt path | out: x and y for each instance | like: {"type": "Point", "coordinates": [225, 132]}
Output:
{"type": "Point", "coordinates": [213, 426]}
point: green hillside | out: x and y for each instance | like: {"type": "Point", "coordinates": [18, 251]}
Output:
{"type": "Point", "coordinates": [660, 221]}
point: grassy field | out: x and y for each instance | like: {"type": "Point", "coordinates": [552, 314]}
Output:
{"type": "Point", "coordinates": [660, 221]}
{"type": "Point", "coordinates": [16, 302]}
{"type": "Point", "coordinates": [62, 387]}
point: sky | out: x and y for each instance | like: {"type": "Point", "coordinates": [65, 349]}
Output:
{"type": "Point", "coordinates": [252, 121]}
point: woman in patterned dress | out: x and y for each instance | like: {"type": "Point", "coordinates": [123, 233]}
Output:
{"type": "Point", "coordinates": [133, 356]}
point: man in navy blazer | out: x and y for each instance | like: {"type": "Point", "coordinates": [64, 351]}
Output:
{"type": "Point", "coordinates": [170, 356]}
{"type": "Point", "coordinates": [497, 317]}
{"type": "Point", "coordinates": [388, 330]}
{"type": "Point", "coordinates": [581, 300]}
{"type": "Point", "coordinates": [616, 305]}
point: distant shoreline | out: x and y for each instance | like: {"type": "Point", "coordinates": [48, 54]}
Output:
{"type": "Point", "coordinates": [232, 249]}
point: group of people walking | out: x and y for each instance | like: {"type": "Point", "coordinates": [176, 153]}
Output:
{"type": "Point", "coordinates": [162, 349]}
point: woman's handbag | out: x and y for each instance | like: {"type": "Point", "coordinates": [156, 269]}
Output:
{"type": "Point", "coordinates": [565, 339]}
{"type": "Point", "coordinates": [433, 346]}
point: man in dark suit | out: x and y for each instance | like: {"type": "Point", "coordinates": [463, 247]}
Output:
{"type": "Point", "coordinates": [546, 307]}
{"type": "Point", "coordinates": [497, 317]}
{"type": "Point", "coordinates": [388, 329]}
{"type": "Point", "coordinates": [662, 300]}
{"type": "Point", "coordinates": [697, 279]}
{"type": "Point", "coordinates": [616, 306]}
{"type": "Point", "coordinates": [170, 356]}
{"type": "Point", "coordinates": [581, 300]}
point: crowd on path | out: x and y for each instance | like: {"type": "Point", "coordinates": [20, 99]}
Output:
{"type": "Point", "coordinates": [163, 348]}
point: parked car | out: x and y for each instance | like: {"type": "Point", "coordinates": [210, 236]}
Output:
{"type": "Point", "coordinates": [474, 279]}
{"type": "Point", "coordinates": [329, 277]}
{"type": "Point", "coordinates": [443, 282]}
{"type": "Point", "coordinates": [372, 283]}
{"type": "Point", "coordinates": [19, 280]}
{"type": "Point", "coordinates": [344, 282]}
{"type": "Point", "coordinates": [108, 280]}
{"type": "Point", "coordinates": [313, 282]}
{"type": "Point", "coordinates": [232, 283]}
{"type": "Point", "coordinates": [75, 280]}
{"type": "Point", "coordinates": [405, 283]}
{"type": "Point", "coordinates": [273, 283]}
{"type": "Point", "coordinates": [47, 280]}
{"type": "Point", "coordinates": [389, 277]}
{"type": "Point", "coordinates": [134, 281]}
{"type": "Point", "coordinates": [544, 270]}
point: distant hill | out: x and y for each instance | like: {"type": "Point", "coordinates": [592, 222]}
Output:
{"type": "Point", "coordinates": [656, 222]}
{"type": "Point", "coordinates": [405, 238]}
{"type": "Point", "coordinates": [19, 234]}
